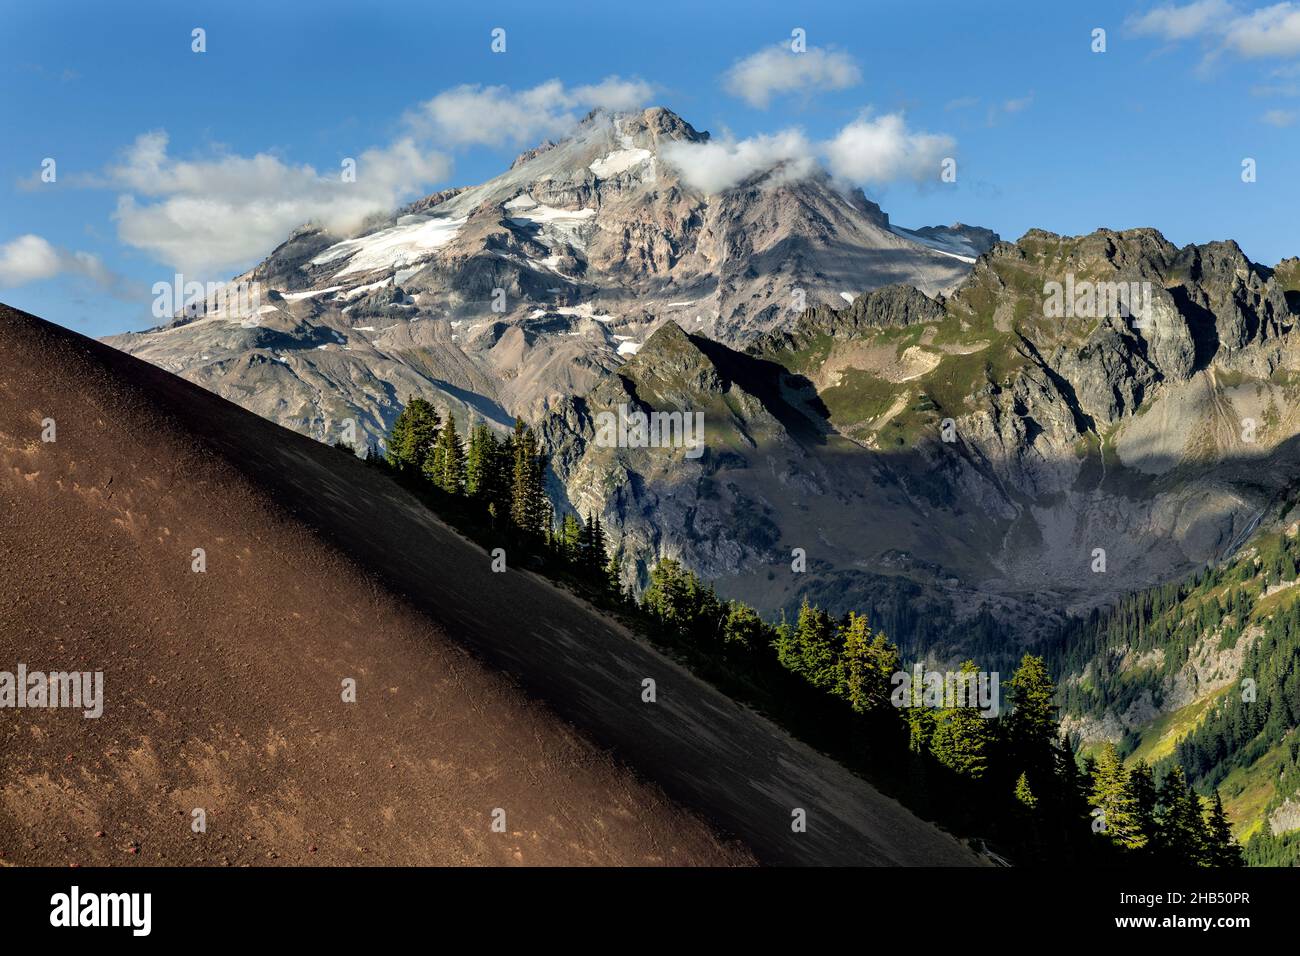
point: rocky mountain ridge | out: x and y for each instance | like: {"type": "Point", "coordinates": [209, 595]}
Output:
{"type": "Point", "coordinates": [499, 299]}
{"type": "Point", "coordinates": [973, 451]}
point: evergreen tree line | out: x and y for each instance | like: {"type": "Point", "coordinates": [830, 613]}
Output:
{"type": "Point", "coordinates": [1168, 824]}
{"type": "Point", "coordinates": [502, 482]}
{"type": "Point", "coordinates": [1015, 773]}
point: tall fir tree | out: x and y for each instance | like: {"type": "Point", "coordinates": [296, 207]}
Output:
{"type": "Point", "coordinates": [1179, 827]}
{"type": "Point", "coordinates": [814, 653]}
{"type": "Point", "coordinates": [1025, 793]}
{"type": "Point", "coordinates": [476, 460]}
{"type": "Point", "coordinates": [963, 737]}
{"type": "Point", "coordinates": [413, 435]}
{"type": "Point", "coordinates": [614, 575]}
{"type": "Point", "coordinates": [1221, 850]}
{"type": "Point", "coordinates": [569, 538]}
{"type": "Point", "coordinates": [743, 627]}
{"type": "Point", "coordinates": [1031, 727]}
{"type": "Point", "coordinates": [865, 667]}
{"type": "Point", "coordinates": [528, 503]}
{"type": "Point", "coordinates": [446, 465]}
{"type": "Point", "coordinates": [1113, 797]}
{"type": "Point", "coordinates": [1142, 787]}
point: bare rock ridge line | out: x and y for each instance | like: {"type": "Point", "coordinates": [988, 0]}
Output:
{"type": "Point", "coordinates": [738, 770]}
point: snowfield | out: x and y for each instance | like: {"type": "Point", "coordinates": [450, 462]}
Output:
{"type": "Point", "coordinates": [619, 161]}
{"type": "Point", "coordinates": [554, 225]}
{"type": "Point", "coordinates": [413, 238]}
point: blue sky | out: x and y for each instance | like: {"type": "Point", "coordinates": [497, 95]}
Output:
{"type": "Point", "coordinates": [1046, 133]}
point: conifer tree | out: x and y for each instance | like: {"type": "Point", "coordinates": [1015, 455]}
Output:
{"type": "Point", "coordinates": [743, 627]}
{"type": "Point", "coordinates": [1074, 789]}
{"type": "Point", "coordinates": [446, 465]}
{"type": "Point", "coordinates": [414, 432]}
{"type": "Point", "coordinates": [814, 648]}
{"type": "Point", "coordinates": [1142, 787]}
{"type": "Point", "coordinates": [1179, 826]}
{"type": "Point", "coordinates": [866, 664]}
{"type": "Point", "coordinates": [1111, 794]}
{"type": "Point", "coordinates": [528, 504]}
{"type": "Point", "coordinates": [1031, 726]}
{"type": "Point", "coordinates": [596, 556]}
{"type": "Point", "coordinates": [614, 575]}
{"type": "Point", "coordinates": [1221, 850]}
{"type": "Point", "coordinates": [665, 597]}
{"type": "Point", "coordinates": [476, 460]}
{"type": "Point", "coordinates": [1024, 793]}
{"type": "Point", "coordinates": [963, 736]}
{"type": "Point", "coordinates": [786, 645]}
{"type": "Point", "coordinates": [569, 537]}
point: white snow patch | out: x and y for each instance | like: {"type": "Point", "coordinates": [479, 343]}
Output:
{"type": "Point", "coordinates": [556, 225]}
{"type": "Point", "coordinates": [847, 296]}
{"type": "Point", "coordinates": [586, 310]}
{"type": "Point", "coordinates": [353, 293]}
{"type": "Point", "coordinates": [948, 244]}
{"type": "Point", "coordinates": [413, 238]}
{"type": "Point", "coordinates": [619, 161]}
{"type": "Point", "coordinates": [296, 296]}
{"type": "Point", "coordinates": [629, 348]}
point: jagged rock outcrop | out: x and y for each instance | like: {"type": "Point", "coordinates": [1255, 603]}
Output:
{"type": "Point", "coordinates": [977, 445]}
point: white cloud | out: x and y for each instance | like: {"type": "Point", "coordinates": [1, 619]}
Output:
{"type": "Point", "coordinates": [613, 93]}
{"type": "Point", "coordinates": [777, 69]}
{"type": "Point", "coordinates": [1272, 31]}
{"type": "Point", "coordinates": [209, 215]}
{"type": "Point", "coordinates": [496, 115]}
{"type": "Point", "coordinates": [715, 166]}
{"type": "Point", "coordinates": [880, 150]}
{"type": "Point", "coordinates": [1172, 22]}
{"type": "Point", "coordinates": [1279, 118]}
{"type": "Point", "coordinates": [869, 151]}
{"type": "Point", "coordinates": [29, 258]}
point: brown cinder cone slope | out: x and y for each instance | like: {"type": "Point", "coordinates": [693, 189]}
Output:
{"type": "Point", "coordinates": [223, 689]}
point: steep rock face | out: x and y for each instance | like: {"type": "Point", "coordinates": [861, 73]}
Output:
{"type": "Point", "coordinates": [981, 447]}
{"type": "Point", "coordinates": [653, 495]}
{"type": "Point", "coordinates": [501, 299]}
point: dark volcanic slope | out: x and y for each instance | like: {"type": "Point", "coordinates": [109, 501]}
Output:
{"type": "Point", "coordinates": [223, 688]}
